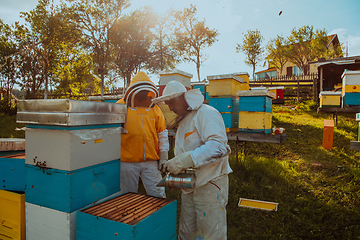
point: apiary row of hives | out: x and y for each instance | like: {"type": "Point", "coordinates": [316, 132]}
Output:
{"type": "Point", "coordinates": [242, 109]}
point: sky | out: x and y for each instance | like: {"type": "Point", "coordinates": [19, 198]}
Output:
{"type": "Point", "coordinates": [233, 18]}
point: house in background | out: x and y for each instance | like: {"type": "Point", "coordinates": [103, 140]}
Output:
{"type": "Point", "coordinates": [291, 69]}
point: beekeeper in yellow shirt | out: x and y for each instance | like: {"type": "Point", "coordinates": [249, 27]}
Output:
{"type": "Point", "coordinates": [145, 146]}
{"type": "Point", "coordinates": [200, 143]}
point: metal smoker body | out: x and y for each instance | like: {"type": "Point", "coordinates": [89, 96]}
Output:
{"type": "Point", "coordinates": [184, 180]}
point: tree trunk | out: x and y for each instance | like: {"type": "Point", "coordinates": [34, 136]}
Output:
{"type": "Point", "coordinates": [253, 72]}
{"type": "Point", "coordinates": [46, 79]}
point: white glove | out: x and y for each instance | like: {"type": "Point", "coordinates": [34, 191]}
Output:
{"type": "Point", "coordinates": [178, 163]}
{"type": "Point", "coordinates": [163, 158]}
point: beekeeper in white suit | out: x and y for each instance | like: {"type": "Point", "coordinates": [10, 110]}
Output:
{"type": "Point", "coordinates": [201, 143]}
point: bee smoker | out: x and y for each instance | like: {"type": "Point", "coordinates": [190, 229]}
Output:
{"type": "Point", "coordinates": [184, 180]}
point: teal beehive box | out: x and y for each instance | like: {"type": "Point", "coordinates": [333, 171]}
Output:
{"type": "Point", "coordinates": [12, 170]}
{"type": "Point", "coordinates": [128, 216]}
{"type": "Point", "coordinates": [225, 105]}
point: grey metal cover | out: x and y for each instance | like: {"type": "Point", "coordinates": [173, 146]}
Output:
{"type": "Point", "coordinates": [69, 119]}
{"type": "Point", "coordinates": [225, 76]}
{"type": "Point", "coordinates": [66, 112]}
{"type": "Point", "coordinates": [69, 106]}
{"type": "Point", "coordinates": [252, 93]}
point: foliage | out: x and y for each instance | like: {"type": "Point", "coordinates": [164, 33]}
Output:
{"type": "Point", "coordinates": [163, 56]}
{"type": "Point", "coordinates": [305, 44]}
{"type": "Point", "coordinates": [96, 20]}
{"type": "Point", "coordinates": [8, 125]}
{"type": "Point", "coordinates": [251, 47]}
{"type": "Point", "coordinates": [132, 40]}
{"type": "Point", "coordinates": [277, 52]}
{"type": "Point", "coordinates": [8, 58]}
{"type": "Point", "coordinates": [7, 107]}
{"type": "Point", "coordinates": [50, 31]}
{"type": "Point", "coordinates": [73, 74]}
{"type": "Point", "coordinates": [192, 36]}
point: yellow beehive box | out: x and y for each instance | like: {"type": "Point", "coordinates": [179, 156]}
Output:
{"type": "Point", "coordinates": [225, 85]}
{"type": "Point", "coordinates": [351, 88]}
{"type": "Point", "coordinates": [12, 215]}
{"type": "Point", "coordinates": [330, 99]}
{"type": "Point", "coordinates": [255, 122]}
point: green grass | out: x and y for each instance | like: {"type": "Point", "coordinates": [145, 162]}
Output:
{"type": "Point", "coordinates": [318, 190]}
{"type": "Point", "coordinates": [8, 125]}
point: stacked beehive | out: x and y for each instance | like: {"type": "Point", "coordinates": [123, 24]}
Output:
{"type": "Point", "coordinates": [12, 186]}
{"type": "Point", "coordinates": [177, 75]}
{"type": "Point", "coordinates": [222, 96]}
{"type": "Point", "coordinates": [72, 160]}
{"type": "Point", "coordinates": [351, 88]}
{"type": "Point", "coordinates": [255, 111]}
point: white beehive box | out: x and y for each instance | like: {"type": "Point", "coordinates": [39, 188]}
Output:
{"type": "Point", "coordinates": [72, 149]}
{"type": "Point", "coordinates": [45, 223]}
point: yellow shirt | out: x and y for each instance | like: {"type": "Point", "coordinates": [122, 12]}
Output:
{"type": "Point", "coordinates": [141, 143]}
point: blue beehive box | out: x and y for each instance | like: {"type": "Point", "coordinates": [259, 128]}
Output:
{"type": "Point", "coordinates": [128, 216]}
{"type": "Point", "coordinates": [255, 104]}
{"type": "Point", "coordinates": [231, 121]}
{"type": "Point", "coordinates": [68, 191]}
{"type": "Point", "coordinates": [351, 99]}
{"type": "Point", "coordinates": [225, 105]}
{"type": "Point", "coordinates": [12, 170]}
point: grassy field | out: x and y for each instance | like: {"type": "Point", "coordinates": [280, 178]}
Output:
{"type": "Point", "coordinates": [318, 190]}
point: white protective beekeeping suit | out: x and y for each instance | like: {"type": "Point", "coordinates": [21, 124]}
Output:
{"type": "Point", "coordinates": [202, 134]}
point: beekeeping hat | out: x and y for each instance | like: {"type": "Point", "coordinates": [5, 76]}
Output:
{"type": "Point", "coordinates": [140, 82]}
{"type": "Point", "coordinates": [172, 90]}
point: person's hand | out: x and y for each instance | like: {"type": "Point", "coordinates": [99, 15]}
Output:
{"type": "Point", "coordinates": [162, 161]}
{"type": "Point", "coordinates": [178, 163]}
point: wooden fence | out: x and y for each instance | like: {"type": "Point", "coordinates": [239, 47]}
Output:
{"type": "Point", "coordinates": [299, 88]}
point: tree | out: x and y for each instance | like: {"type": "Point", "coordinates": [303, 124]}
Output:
{"type": "Point", "coordinates": [163, 55]}
{"type": "Point", "coordinates": [8, 59]}
{"type": "Point", "coordinates": [251, 47]}
{"type": "Point", "coordinates": [192, 36]}
{"type": "Point", "coordinates": [96, 19]}
{"type": "Point", "coordinates": [305, 45]}
{"type": "Point", "coordinates": [277, 52]}
{"type": "Point", "coordinates": [50, 30]}
{"type": "Point", "coordinates": [132, 40]}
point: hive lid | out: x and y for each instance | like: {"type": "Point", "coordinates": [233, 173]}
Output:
{"type": "Point", "coordinates": [253, 93]}
{"type": "Point", "coordinates": [176, 71]}
{"type": "Point", "coordinates": [66, 112]}
{"type": "Point", "coordinates": [225, 76]}
{"type": "Point", "coordinates": [69, 106]}
{"type": "Point", "coordinates": [328, 93]}
{"type": "Point", "coordinates": [350, 72]}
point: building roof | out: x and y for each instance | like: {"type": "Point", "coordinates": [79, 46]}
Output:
{"type": "Point", "coordinates": [267, 70]}
{"type": "Point", "coordinates": [337, 61]}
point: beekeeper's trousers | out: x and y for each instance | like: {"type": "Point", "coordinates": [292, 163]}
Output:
{"type": "Point", "coordinates": [150, 176]}
{"type": "Point", "coordinates": [203, 212]}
